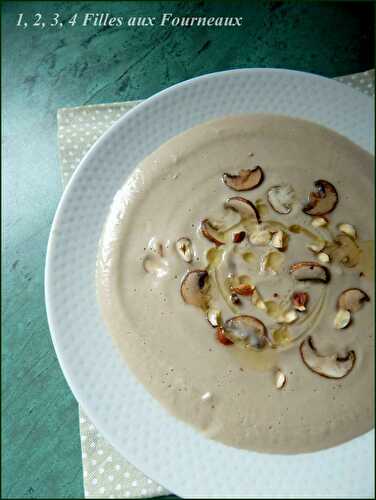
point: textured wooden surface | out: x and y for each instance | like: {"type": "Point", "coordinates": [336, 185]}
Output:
{"type": "Point", "coordinates": [47, 69]}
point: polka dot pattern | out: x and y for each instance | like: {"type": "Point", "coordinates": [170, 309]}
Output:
{"type": "Point", "coordinates": [364, 82]}
{"type": "Point", "coordinates": [107, 474]}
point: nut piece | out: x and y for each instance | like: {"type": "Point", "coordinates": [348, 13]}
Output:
{"type": "Point", "coordinates": [248, 329]}
{"type": "Point", "coordinates": [221, 337]}
{"type": "Point", "coordinates": [260, 304]}
{"type": "Point", "coordinates": [243, 289]}
{"type": "Point", "coordinates": [289, 317]}
{"type": "Point", "coordinates": [211, 233]}
{"type": "Point", "coordinates": [238, 237]}
{"type": "Point", "coordinates": [323, 200]}
{"type": "Point", "coordinates": [303, 271]}
{"type": "Point", "coordinates": [194, 288]}
{"type": "Point", "coordinates": [323, 257]}
{"type": "Point", "coordinates": [214, 317]}
{"type": "Point", "coordinates": [245, 180]}
{"type": "Point", "coordinates": [281, 197]}
{"type": "Point", "coordinates": [348, 229]}
{"type": "Point", "coordinates": [279, 240]}
{"type": "Point", "coordinates": [300, 300]}
{"type": "Point", "coordinates": [316, 248]}
{"type": "Point", "coordinates": [319, 222]}
{"type": "Point", "coordinates": [342, 319]}
{"type": "Point", "coordinates": [352, 299]}
{"type": "Point", "coordinates": [184, 249]}
{"type": "Point", "coordinates": [207, 396]}
{"type": "Point", "coordinates": [260, 238]}
{"type": "Point", "coordinates": [333, 366]}
{"type": "Point", "coordinates": [280, 379]}
{"type": "Point", "coordinates": [244, 207]}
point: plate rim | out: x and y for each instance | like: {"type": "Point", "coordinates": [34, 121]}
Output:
{"type": "Point", "coordinates": [66, 195]}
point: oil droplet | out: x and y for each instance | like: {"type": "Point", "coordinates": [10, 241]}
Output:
{"type": "Point", "coordinates": [249, 257]}
{"type": "Point", "coordinates": [297, 229]}
{"type": "Point", "coordinates": [282, 336]}
{"type": "Point", "coordinates": [261, 207]}
{"type": "Point", "coordinates": [272, 262]}
{"type": "Point", "coordinates": [274, 309]}
{"type": "Point", "coordinates": [214, 256]}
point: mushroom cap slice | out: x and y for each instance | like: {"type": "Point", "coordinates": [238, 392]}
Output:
{"type": "Point", "coordinates": [333, 366]}
{"type": "Point", "coordinates": [323, 200]}
{"type": "Point", "coordinates": [352, 299]}
{"type": "Point", "coordinates": [194, 288]}
{"type": "Point", "coordinates": [244, 207]}
{"type": "Point", "coordinates": [248, 329]}
{"type": "Point", "coordinates": [304, 271]}
{"type": "Point", "coordinates": [245, 180]}
{"type": "Point", "coordinates": [280, 198]}
{"type": "Point", "coordinates": [211, 233]}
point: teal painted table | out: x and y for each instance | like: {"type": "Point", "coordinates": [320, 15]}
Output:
{"type": "Point", "coordinates": [44, 69]}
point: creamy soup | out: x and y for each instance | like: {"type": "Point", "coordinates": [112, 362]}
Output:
{"type": "Point", "coordinates": [235, 276]}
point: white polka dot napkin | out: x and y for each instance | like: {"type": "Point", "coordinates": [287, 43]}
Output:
{"type": "Point", "coordinates": [107, 474]}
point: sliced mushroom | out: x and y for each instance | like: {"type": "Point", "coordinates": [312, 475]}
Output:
{"type": "Point", "coordinates": [247, 329]}
{"type": "Point", "coordinates": [333, 366]}
{"type": "Point", "coordinates": [281, 198]}
{"type": "Point", "coordinates": [211, 233]}
{"type": "Point", "coordinates": [323, 200]}
{"type": "Point", "coordinates": [245, 179]}
{"type": "Point", "coordinates": [221, 337]}
{"type": "Point", "coordinates": [244, 207]}
{"type": "Point", "coordinates": [303, 271]}
{"type": "Point", "coordinates": [184, 249]}
{"type": "Point", "coordinates": [194, 288]}
{"type": "Point", "coordinates": [352, 299]}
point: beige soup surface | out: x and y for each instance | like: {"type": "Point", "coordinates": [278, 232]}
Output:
{"type": "Point", "coordinates": [235, 274]}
